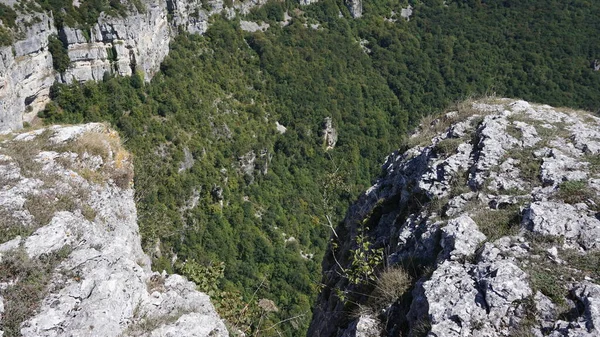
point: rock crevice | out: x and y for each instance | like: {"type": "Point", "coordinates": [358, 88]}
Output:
{"type": "Point", "coordinates": [68, 216]}
{"type": "Point", "coordinates": [491, 217]}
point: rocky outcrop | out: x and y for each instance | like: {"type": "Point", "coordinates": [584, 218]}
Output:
{"type": "Point", "coordinates": [355, 7]}
{"type": "Point", "coordinates": [136, 42]}
{"type": "Point", "coordinates": [330, 135]}
{"type": "Point", "coordinates": [121, 45]}
{"type": "Point", "coordinates": [487, 225]}
{"type": "Point", "coordinates": [71, 257]}
{"type": "Point", "coordinates": [26, 72]}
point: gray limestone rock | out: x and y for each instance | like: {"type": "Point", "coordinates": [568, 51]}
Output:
{"type": "Point", "coordinates": [563, 220]}
{"type": "Point", "coordinates": [355, 7]}
{"type": "Point", "coordinates": [250, 26]}
{"type": "Point", "coordinates": [461, 237]}
{"type": "Point", "coordinates": [407, 12]}
{"type": "Point", "coordinates": [103, 285]}
{"type": "Point", "coordinates": [137, 42]}
{"type": "Point", "coordinates": [364, 326]}
{"type": "Point", "coordinates": [473, 224]}
{"type": "Point", "coordinates": [329, 134]}
{"type": "Point", "coordinates": [26, 72]}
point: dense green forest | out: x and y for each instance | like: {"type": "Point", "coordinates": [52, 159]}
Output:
{"type": "Point", "coordinates": [214, 104]}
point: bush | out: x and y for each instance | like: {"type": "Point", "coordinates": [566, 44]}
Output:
{"type": "Point", "coordinates": [60, 55]}
{"type": "Point", "coordinates": [6, 38]}
{"type": "Point", "coordinates": [390, 285]}
{"type": "Point", "coordinates": [7, 15]}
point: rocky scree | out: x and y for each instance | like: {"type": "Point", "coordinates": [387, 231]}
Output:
{"type": "Point", "coordinates": [486, 225]}
{"type": "Point", "coordinates": [71, 262]}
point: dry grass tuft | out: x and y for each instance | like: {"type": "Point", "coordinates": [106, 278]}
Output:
{"type": "Point", "coordinates": [391, 285]}
{"type": "Point", "coordinates": [103, 144]}
{"type": "Point", "coordinates": [433, 125]}
{"type": "Point", "coordinates": [31, 279]}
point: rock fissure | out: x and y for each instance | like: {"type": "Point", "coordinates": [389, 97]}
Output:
{"type": "Point", "coordinates": [522, 192]}
{"type": "Point", "coordinates": [94, 275]}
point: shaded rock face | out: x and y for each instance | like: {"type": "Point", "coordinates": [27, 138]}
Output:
{"type": "Point", "coordinates": [68, 194]}
{"type": "Point", "coordinates": [491, 214]}
{"type": "Point", "coordinates": [26, 72]}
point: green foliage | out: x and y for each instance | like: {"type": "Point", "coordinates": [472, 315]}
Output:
{"type": "Point", "coordinates": [6, 38]}
{"type": "Point", "coordinates": [364, 260]}
{"type": "Point", "coordinates": [207, 278]}
{"type": "Point", "coordinates": [549, 283]}
{"type": "Point", "coordinates": [7, 15]}
{"type": "Point", "coordinates": [577, 191]}
{"type": "Point", "coordinates": [219, 95]}
{"type": "Point", "coordinates": [448, 146]}
{"type": "Point", "coordinates": [86, 14]}
{"type": "Point", "coordinates": [213, 96]}
{"type": "Point", "coordinates": [60, 56]}
{"type": "Point", "coordinates": [244, 316]}
{"type": "Point", "coordinates": [31, 278]}
{"type": "Point", "coordinates": [498, 223]}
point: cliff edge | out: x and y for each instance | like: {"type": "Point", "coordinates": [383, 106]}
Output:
{"type": "Point", "coordinates": [71, 259]}
{"type": "Point", "coordinates": [486, 225]}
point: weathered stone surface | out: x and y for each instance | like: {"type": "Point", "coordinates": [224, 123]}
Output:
{"type": "Point", "coordinates": [485, 221]}
{"type": "Point", "coordinates": [407, 12]}
{"type": "Point", "coordinates": [461, 237]}
{"type": "Point", "coordinates": [250, 26]}
{"type": "Point", "coordinates": [104, 285]}
{"type": "Point", "coordinates": [137, 42]}
{"type": "Point", "coordinates": [26, 72]}
{"type": "Point", "coordinates": [329, 134]}
{"type": "Point", "coordinates": [364, 326]}
{"type": "Point", "coordinates": [355, 7]}
{"type": "Point", "coordinates": [563, 220]}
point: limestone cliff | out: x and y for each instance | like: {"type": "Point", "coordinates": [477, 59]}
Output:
{"type": "Point", "coordinates": [138, 41]}
{"type": "Point", "coordinates": [485, 225]}
{"type": "Point", "coordinates": [121, 45]}
{"type": "Point", "coordinates": [355, 7]}
{"type": "Point", "coordinates": [71, 262]}
{"type": "Point", "coordinates": [26, 72]}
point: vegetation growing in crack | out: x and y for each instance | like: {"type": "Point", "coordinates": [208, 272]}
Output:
{"type": "Point", "coordinates": [497, 223]}
{"type": "Point", "coordinates": [60, 55]}
{"type": "Point", "coordinates": [578, 191]}
{"type": "Point", "coordinates": [31, 278]}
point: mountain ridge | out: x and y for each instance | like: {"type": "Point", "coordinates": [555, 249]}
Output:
{"type": "Point", "coordinates": [488, 226]}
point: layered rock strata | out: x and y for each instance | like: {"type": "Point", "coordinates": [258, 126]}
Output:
{"type": "Point", "coordinates": [121, 45]}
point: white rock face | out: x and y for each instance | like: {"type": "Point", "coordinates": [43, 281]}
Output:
{"type": "Point", "coordinates": [407, 12]}
{"type": "Point", "coordinates": [330, 135]}
{"type": "Point", "coordinates": [192, 15]}
{"type": "Point", "coordinates": [104, 285]}
{"type": "Point", "coordinates": [251, 26]}
{"type": "Point", "coordinates": [355, 7]}
{"type": "Point", "coordinates": [26, 72]}
{"type": "Point", "coordinates": [500, 210]}
{"type": "Point", "coordinates": [140, 42]}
